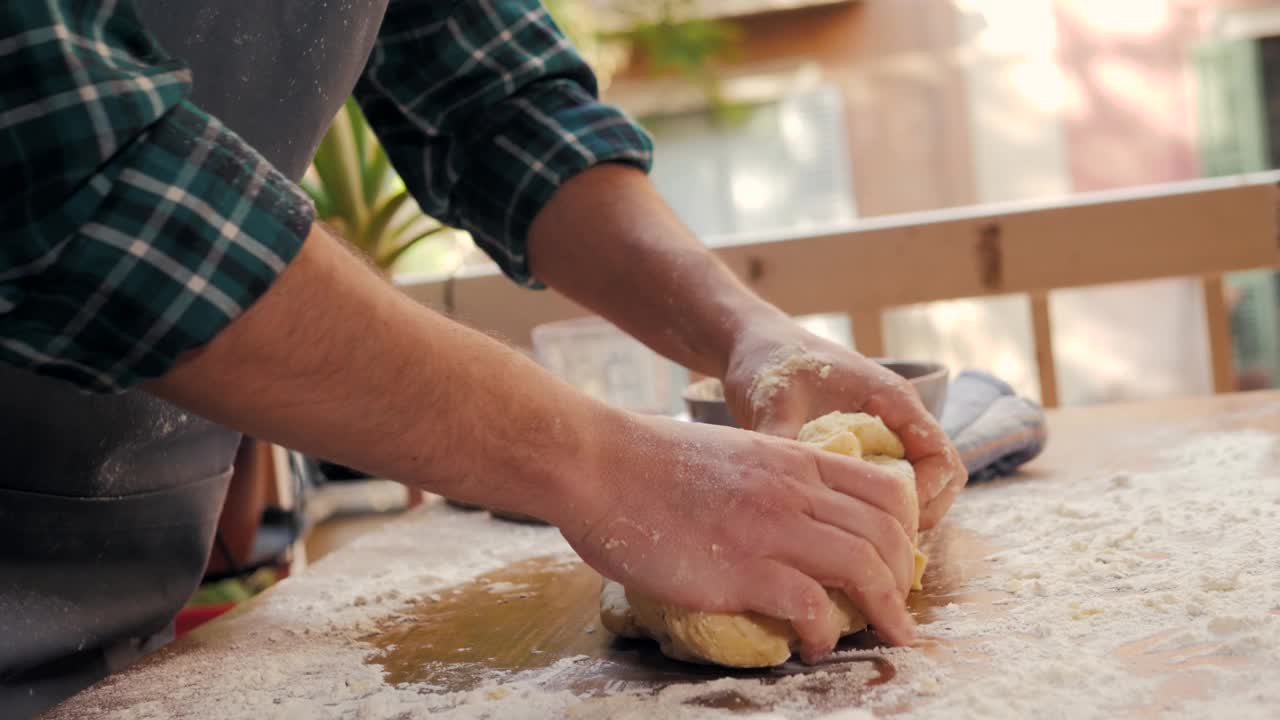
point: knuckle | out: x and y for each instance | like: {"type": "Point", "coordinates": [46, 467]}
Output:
{"type": "Point", "coordinates": [782, 496]}
{"type": "Point", "coordinates": [900, 385]}
{"type": "Point", "coordinates": [902, 502]}
{"type": "Point", "coordinates": [890, 528]}
{"type": "Point", "coordinates": [811, 596]}
{"type": "Point", "coordinates": [888, 597]}
{"type": "Point", "coordinates": [805, 601]}
{"type": "Point", "coordinates": [766, 513]}
{"type": "Point", "coordinates": [903, 495]}
{"type": "Point", "coordinates": [863, 553]}
{"type": "Point", "coordinates": [901, 391]}
{"type": "Point", "coordinates": [803, 461]}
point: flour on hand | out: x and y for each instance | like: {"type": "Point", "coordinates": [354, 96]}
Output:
{"type": "Point", "coordinates": [747, 639]}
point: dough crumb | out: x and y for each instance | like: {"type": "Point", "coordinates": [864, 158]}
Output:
{"type": "Point", "coordinates": [1220, 584]}
{"type": "Point", "coordinates": [1081, 612]}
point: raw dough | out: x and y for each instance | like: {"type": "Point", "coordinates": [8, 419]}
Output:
{"type": "Point", "coordinates": [749, 639]}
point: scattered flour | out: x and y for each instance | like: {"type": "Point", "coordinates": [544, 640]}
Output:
{"type": "Point", "coordinates": [1111, 594]}
{"type": "Point", "coordinates": [775, 375]}
{"type": "Point", "coordinates": [504, 587]}
{"type": "Point", "coordinates": [1153, 591]}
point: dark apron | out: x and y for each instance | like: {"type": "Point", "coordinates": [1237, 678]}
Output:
{"type": "Point", "coordinates": [108, 505]}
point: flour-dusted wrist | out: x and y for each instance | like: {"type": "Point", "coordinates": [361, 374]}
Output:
{"type": "Point", "coordinates": [584, 483]}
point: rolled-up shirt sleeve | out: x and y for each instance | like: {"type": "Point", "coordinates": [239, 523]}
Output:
{"type": "Point", "coordinates": [485, 109]}
{"type": "Point", "coordinates": [136, 226]}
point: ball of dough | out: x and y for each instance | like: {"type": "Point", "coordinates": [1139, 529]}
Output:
{"type": "Point", "coordinates": [855, 434]}
{"type": "Point", "coordinates": [747, 639]}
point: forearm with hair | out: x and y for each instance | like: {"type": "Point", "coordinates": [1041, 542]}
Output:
{"type": "Point", "coordinates": [608, 241]}
{"type": "Point", "coordinates": [335, 362]}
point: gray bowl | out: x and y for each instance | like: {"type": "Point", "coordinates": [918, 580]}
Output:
{"type": "Point", "coordinates": [929, 379]}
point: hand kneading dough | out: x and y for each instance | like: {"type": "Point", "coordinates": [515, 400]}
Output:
{"type": "Point", "coordinates": [749, 639]}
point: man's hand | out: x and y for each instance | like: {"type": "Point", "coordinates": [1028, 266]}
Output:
{"type": "Point", "coordinates": [609, 242]}
{"type": "Point", "coordinates": [721, 519]}
{"type": "Point", "coordinates": [780, 377]}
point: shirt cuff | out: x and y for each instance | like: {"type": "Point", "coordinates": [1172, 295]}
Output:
{"type": "Point", "coordinates": [189, 226]}
{"type": "Point", "coordinates": [555, 130]}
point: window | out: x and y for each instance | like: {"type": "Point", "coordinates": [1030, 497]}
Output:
{"type": "Point", "coordinates": [1238, 86]}
{"type": "Point", "coordinates": [784, 165]}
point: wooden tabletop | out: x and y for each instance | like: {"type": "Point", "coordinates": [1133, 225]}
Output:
{"type": "Point", "coordinates": [526, 609]}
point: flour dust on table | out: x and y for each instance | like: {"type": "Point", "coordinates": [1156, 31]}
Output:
{"type": "Point", "coordinates": [1142, 587]}
{"type": "Point", "coordinates": [1149, 589]}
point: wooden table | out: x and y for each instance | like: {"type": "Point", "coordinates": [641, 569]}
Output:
{"type": "Point", "coordinates": [526, 615]}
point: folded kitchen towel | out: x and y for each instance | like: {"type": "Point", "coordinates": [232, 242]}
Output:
{"type": "Point", "coordinates": [995, 430]}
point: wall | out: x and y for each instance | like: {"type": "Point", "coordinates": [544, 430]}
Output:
{"type": "Point", "coordinates": [975, 101]}
{"type": "Point", "coordinates": [1014, 100]}
{"type": "Point", "coordinates": [895, 64]}
{"type": "Point", "coordinates": [1130, 121]}
{"type": "Point", "coordinates": [952, 103]}
{"type": "Point", "coordinates": [1132, 116]}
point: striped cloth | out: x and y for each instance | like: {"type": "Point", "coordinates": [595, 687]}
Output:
{"type": "Point", "coordinates": [995, 431]}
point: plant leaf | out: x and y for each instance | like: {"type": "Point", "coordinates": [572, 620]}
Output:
{"type": "Point", "coordinates": [319, 198]}
{"type": "Point", "coordinates": [376, 231]}
{"type": "Point", "coordinates": [376, 172]}
{"type": "Point", "coordinates": [338, 167]}
{"type": "Point", "coordinates": [388, 260]}
{"type": "Point", "coordinates": [417, 224]}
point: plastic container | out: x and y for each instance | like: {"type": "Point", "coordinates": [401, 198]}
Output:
{"type": "Point", "coordinates": [596, 357]}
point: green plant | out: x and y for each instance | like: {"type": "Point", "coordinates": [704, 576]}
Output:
{"type": "Point", "coordinates": [677, 42]}
{"type": "Point", "coordinates": [356, 190]}
{"type": "Point", "coordinates": [673, 36]}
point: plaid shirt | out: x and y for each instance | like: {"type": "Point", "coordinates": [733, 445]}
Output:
{"type": "Point", "coordinates": [136, 226]}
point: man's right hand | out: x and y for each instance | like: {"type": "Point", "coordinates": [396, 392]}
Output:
{"type": "Point", "coordinates": [719, 519]}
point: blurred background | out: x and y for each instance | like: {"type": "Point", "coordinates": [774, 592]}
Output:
{"type": "Point", "coordinates": [790, 116]}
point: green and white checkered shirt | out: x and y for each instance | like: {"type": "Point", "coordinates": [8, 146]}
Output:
{"type": "Point", "coordinates": [136, 226]}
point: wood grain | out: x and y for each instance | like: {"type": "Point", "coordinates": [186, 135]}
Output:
{"type": "Point", "coordinates": [1218, 324]}
{"type": "Point", "coordinates": [1042, 334]}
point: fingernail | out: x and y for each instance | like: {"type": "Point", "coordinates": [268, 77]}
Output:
{"type": "Point", "coordinates": [936, 489]}
{"type": "Point", "coordinates": [813, 657]}
{"type": "Point", "coordinates": [909, 631]}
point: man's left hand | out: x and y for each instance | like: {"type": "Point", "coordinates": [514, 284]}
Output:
{"type": "Point", "coordinates": [813, 377]}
